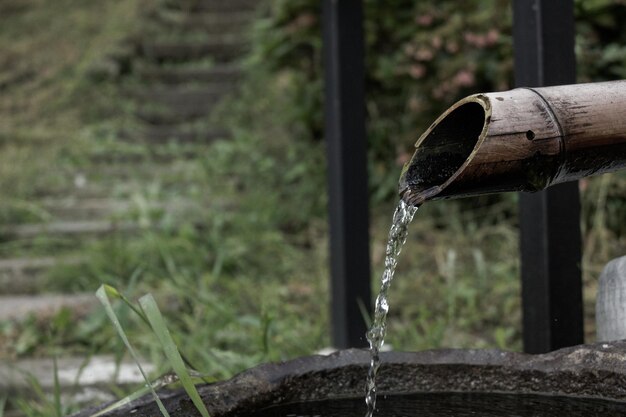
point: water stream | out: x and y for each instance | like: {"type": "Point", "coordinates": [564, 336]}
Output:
{"type": "Point", "coordinates": [375, 336]}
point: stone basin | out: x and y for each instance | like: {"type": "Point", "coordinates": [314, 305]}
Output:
{"type": "Point", "coordinates": [597, 370]}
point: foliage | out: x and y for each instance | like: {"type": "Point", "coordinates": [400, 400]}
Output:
{"type": "Point", "coordinates": [46, 405]}
{"type": "Point", "coordinates": [48, 50]}
{"type": "Point", "coordinates": [245, 281]}
{"type": "Point", "coordinates": [420, 58]}
{"type": "Point", "coordinates": [241, 279]}
{"type": "Point", "coordinates": [601, 40]}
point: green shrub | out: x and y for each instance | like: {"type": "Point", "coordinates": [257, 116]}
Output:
{"type": "Point", "coordinates": [420, 58]}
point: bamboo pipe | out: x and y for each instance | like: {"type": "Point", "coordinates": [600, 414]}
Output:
{"type": "Point", "coordinates": [524, 139]}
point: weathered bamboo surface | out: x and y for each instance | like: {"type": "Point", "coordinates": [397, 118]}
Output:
{"type": "Point", "coordinates": [519, 140]}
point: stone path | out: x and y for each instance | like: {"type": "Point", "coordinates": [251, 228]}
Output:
{"type": "Point", "coordinates": [83, 380]}
{"type": "Point", "coordinates": [185, 62]}
{"type": "Point", "coordinates": [18, 307]}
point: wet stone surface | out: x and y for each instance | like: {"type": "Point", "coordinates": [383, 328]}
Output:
{"type": "Point", "coordinates": [589, 370]}
{"type": "Point", "coordinates": [451, 405]}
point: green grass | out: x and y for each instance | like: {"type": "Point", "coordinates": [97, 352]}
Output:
{"type": "Point", "coordinates": [171, 350]}
{"type": "Point", "coordinates": [48, 49]}
{"type": "Point", "coordinates": [102, 294]}
{"type": "Point", "coordinates": [243, 280]}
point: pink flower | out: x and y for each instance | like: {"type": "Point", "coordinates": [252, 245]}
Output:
{"type": "Point", "coordinates": [306, 20]}
{"type": "Point", "coordinates": [436, 42]}
{"type": "Point", "coordinates": [452, 47]}
{"type": "Point", "coordinates": [475, 39]}
{"type": "Point", "coordinates": [424, 20]}
{"type": "Point", "coordinates": [417, 71]}
{"type": "Point", "coordinates": [424, 54]}
{"type": "Point", "coordinates": [441, 91]}
{"type": "Point", "coordinates": [303, 21]}
{"type": "Point", "coordinates": [469, 38]}
{"type": "Point", "coordinates": [414, 104]}
{"type": "Point", "coordinates": [402, 158]}
{"type": "Point", "coordinates": [464, 78]}
{"type": "Point", "coordinates": [492, 36]}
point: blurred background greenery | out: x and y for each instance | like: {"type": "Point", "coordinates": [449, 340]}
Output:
{"type": "Point", "coordinates": [242, 276]}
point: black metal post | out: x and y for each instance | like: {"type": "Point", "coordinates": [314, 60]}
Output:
{"type": "Point", "coordinates": [543, 33]}
{"type": "Point", "coordinates": [347, 170]}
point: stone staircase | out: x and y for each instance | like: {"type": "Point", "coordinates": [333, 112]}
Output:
{"type": "Point", "coordinates": [185, 63]}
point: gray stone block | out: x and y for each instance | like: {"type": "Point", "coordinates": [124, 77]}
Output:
{"type": "Point", "coordinates": [611, 302]}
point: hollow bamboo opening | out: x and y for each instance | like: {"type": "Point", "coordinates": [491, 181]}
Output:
{"type": "Point", "coordinates": [444, 150]}
{"type": "Point", "coordinates": [519, 140]}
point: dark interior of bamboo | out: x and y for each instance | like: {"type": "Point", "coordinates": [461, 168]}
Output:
{"type": "Point", "coordinates": [446, 148]}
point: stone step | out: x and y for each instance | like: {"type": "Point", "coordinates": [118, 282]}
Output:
{"type": "Point", "coordinates": [27, 275]}
{"type": "Point", "coordinates": [210, 5]}
{"type": "Point", "coordinates": [122, 183]}
{"type": "Point", "coordinates": [44, 306]}
{"type": "Point", "coordinates": [171, 105]}
{"type": "Point", "coordinates": [138, 176]}
{"type": "Point", "coordinates": [130, 168]}
{"type": "Point", "coordinates": [82, 191]}
{"type": "Point", "coordinates": [66, 229]}
{"type": "Point", "coordinates": [95, 188]}
{"type": "Point", "coordinates": [174, 32]}
{"type": "Point", "coordinates": [83, 209]}
{"type": "Point", "coordinates": [84, 225]}
{"type": "Point", "coordinates": [228, 21]}
{"type": "Point", "coordinates": [177, 51]}
{"type": "Point", "coordinates": [153, 156]}
{"type": "Point", "coordinates": [181, 95]}
{"type": "Point", "coordinates": [94, 208]}
{"type": "Point", "coordinates": [20, 137]}
{"type": "Point", "coordinates": [82, 380]}
{"type": "Point", "coordinates": [223, 74]}
{"type": "Point", "coordinates": [120, 151]}
{"type": "Point", "coordinates": [106, 207]}
{"type": "Point", "coordinates": [159, 116]}
{"type": "Point", "coordinates": [183, 36]}
{"type": "Point", "coordinates": [173, 133]}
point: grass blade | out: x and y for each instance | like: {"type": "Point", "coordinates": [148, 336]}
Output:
{"type": "Point", "coordinates": [114, 293]}
{"type": "Point", "coordinates": [104, 299]}
{"type": "Point", "coordinates": [159, 383]}
{"type": "Point", "coordinates": [3, 403]}
{"type": "Point", "coordinates": [152, 312]}
{"type": "Point", "coordinates": [57, 389]}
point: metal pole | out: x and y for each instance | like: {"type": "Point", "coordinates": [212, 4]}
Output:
{"type": "Point", "coordinates": [550, 241]}
{"type": "Point", "coordinates": [347, 170]}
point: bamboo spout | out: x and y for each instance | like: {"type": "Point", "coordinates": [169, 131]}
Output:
{"type": "Point", "coordinates": [524, 139]}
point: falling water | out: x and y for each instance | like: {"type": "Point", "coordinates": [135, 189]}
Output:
{"type": "Point", "coordinates": [397, 236]}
